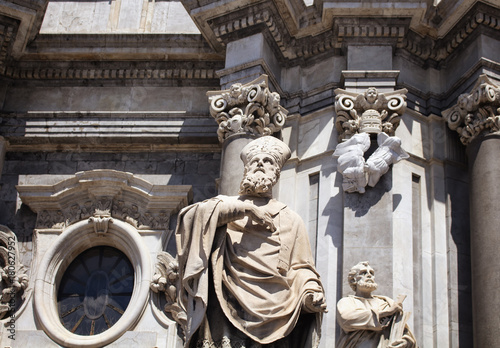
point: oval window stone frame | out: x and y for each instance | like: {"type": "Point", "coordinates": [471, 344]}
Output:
{"type": "Point", "coordinates": [74, 240]}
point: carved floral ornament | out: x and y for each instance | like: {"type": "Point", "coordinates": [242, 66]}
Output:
{"type": "Point", "coordinates": [476, 112]}
{"type": "Point", "coordinates": [250, 108]}
{"type": "Point", "coordinates": [358, 116]}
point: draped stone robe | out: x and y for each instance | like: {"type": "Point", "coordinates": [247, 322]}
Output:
{"type": "Point", "coordinates": [252, 281]}
{"type": "Point", "coordinates": [361, 325]}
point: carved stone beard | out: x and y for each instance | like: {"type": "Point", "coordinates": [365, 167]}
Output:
{"type": "Point", "coordinates": [258, 183]}
{"type": "Point", "coordinates": [367, 285]}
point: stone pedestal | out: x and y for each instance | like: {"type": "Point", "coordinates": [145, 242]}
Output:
{"type": "Point", "coordinates": [231, 168]}
{"type": "Point", "coordinates": [368, 233]}
{"type": "Point", "coordinates": [484, 170]}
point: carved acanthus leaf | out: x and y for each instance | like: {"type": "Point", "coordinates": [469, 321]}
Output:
{"type": "Point", "coordinates": [476, 112]}
{"type": "Point", "coordinates": [166, 281]}
{"type": "Point", "coordinates": [368, 112]}
{"type": "Point", "coordinates": [251, 108]}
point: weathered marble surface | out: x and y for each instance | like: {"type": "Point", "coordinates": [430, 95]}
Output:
{"type": "Point", "coordinates": [264, 280]}
{"type": "Point", "coordinates": [369, 320]}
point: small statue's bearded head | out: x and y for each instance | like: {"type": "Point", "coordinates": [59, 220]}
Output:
{"type": "Point", "coordinates": [263, 159]}
{"type": "Point", "coordinates": [362, 277]}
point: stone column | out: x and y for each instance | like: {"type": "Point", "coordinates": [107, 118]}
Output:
{"type": "Point", "coordinates": [476, 118]}
{"type": "Point", "coordinates": [243, 112]}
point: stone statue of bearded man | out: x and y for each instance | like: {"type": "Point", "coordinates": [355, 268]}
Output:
{"type": "Point", "coordinates": [371, 321]}
{"type": "Point", "coordinates": [247, 277]}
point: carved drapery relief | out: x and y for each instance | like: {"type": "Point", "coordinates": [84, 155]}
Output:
{"type": "Point", "coordinates": [476, 112]}
{"type": "Point", "coordinates": [101, 195]}
{"type": "Point", "coordinates": [356, 171]}
{"type": "Point", "coordinates": [166, 282]}
{"type": "Point", "coordinates": [368, 112]}
{"type": "Point", "coordinates": [361, 114]}
{"type": "Point", "coordinates": [14, 279]}
{"type": "Point", "coordinates": [250, 108]}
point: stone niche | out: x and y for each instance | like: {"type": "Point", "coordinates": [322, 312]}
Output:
{"type": "Point", "coordinates": [103, 215]}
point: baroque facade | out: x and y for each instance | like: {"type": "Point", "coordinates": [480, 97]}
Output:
{"type": "Point", "coordinates": [114, 115]}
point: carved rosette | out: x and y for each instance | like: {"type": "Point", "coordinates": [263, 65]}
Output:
{"type": "Point", "coordinates": [476, 112]}
{"type": "Point", "coordinates": [368, 112]}
{"type": "Point", "coordinates": [247, 109]}
{"type": "Point", "coordinates": [166, 281]}
{"type": "Point", "coordinates": [14, 279]}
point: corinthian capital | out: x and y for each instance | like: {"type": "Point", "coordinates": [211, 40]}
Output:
{"type": "Point", "coordinates": [368, 112]}
{"type": "Point", "coordinates": [476, 112]}
{"type": "Point", "coordinates": [250, 108]}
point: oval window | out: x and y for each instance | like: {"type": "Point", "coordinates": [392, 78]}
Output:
{"type": "Point", "coordinates": [95, 290]}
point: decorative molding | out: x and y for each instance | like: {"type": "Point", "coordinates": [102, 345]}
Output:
{"type": "Point", "coordinates": [13, 276]}
{"type": "Point", "coordinates": [476, 112]}
{"type": "Point", "coordinates": [75, 239]}
{"type": "Point", "coordinates": [370, 112]}
{"type": "Point", "coordinates": [438, 50]}
{"type": "Point", "coordinates": [101, 221]}
{"type": "Point", "coordinates": [302, 38]}
{"type": "Point", "coordinates": [99, 195]}
{"type": "Point", "coordinates": [107, 74]}
{"type": "Point", "coordinates": [250, 108]}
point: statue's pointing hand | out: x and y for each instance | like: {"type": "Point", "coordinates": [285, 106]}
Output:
{"type": "Point", "coordinates": [315, 302]}
{"type": "Point", "coordinates": [261, 217]}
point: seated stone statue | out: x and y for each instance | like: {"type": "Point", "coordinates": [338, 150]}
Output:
{"type": "Point", "coordinates": [369, 320]}
{"type": "Point", "coordinates": [246, 273]}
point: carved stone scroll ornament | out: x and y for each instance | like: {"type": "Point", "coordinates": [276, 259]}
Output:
{"type": "Point", "coordinates": [358, 116]}
{"type": "Point", "coordinates": [368, 112]}
{"type": "Point", "coordinates": [250, 108]}
{"type": "Point", "coordinates": [166, 281]}
{"type": "Point", "coordinates": [14, 279]}
{"type": "Point", "coordinates": [476, 112]}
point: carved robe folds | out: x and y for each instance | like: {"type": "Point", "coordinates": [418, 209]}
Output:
{"type": "Point", "coordinates": [260, 278]}
{"type": "Point", "coordinates": [361, 326]}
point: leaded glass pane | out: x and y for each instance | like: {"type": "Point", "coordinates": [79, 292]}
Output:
{"type": "Point", "coordinates": [95, 290]}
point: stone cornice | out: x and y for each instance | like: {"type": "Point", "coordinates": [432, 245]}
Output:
{"type": "Point", "coordinates": [76, 73]}
{"type": "Point", "coordinates": [408, 27]}
{"type": "Point", "coordinates": [426, 48]}
{"type": "Point", "coordinates": [107, 129]}
{"type": "Point", "coordinates": [476, 112]}
{"type": "Point", "coordinates": [296, 32]}
{"type": "Point", "coordinates": [101, 193]}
